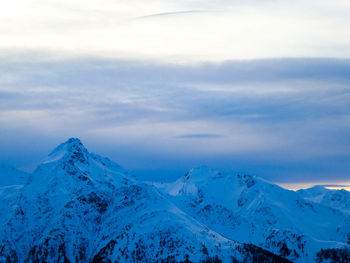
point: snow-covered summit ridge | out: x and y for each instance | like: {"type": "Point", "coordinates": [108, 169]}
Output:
{"type": "Point", "coordinates": [339, 199]}
{"type": "Point", "coordinates": [249, 209]}
{"type": "Point", "coordinates": [201, 172]}
{"type": "Point", "coordinates": [72, 149]}
{"type": "Point", "coordinates": [315, 190]}
{"type": "Point", "coordinates": [73, 152]}
{"type": "Point", "coordinates": [217, 182]}
{"type": "Point", "coordinates": [71, 166]}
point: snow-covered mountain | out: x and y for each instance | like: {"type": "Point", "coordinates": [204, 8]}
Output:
{"type": "Point", "coordinates": [80, 207]}
{"type": "Point", "coordinates": [249, 210]}
{"type": "Point", "coordinates": [11, 176]}
{"type": "Point", "coordinates": [11, 181]}
{"type": "Point", "coordinates": [339, 199]}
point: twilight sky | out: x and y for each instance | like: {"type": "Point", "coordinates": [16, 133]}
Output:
{"type": "Point", "coordinates": [261, 87]}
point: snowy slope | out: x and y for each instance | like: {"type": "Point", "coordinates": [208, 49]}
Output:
{"type": "Point", "coordinates": [11, 176]}
{"type": "Point", "coordinates": [250, 210]}
{"type": "Point", "coordinates": [80, 207]}
{"type": "Point", "coordinates": [11, 182]}
{"type": "Point", "coordinates": [339, 199]}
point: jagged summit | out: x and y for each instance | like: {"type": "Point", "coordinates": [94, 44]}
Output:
{"type": "Point", "coordinates": [72, 149]}
{"type": "Point", "coordinates": [70, 145]}
{"type": "Point", "coordinates": [71, 166]}
{"type": "Point", "coordinates": [73, 153]}
{"type": "Point", "coordinates": [201, 172]}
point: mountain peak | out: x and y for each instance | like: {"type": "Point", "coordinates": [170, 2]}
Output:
{"type": "Point", "coordinates": [72, 149]}
{"type": "Point", "coordinates": [74, 143]}
{"type": "Point", "coordinates": [202, 173]}
{"type": "Point", "coordinates": [71, 166]}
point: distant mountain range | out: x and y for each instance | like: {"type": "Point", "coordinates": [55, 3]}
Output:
{"type": "Point", "coordinates": [80, 207]}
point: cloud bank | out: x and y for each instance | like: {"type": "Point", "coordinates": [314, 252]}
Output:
{"type": "Point", "coordinates": [160, 86]}
{"type": "Point", "coordinates": [283, 119]}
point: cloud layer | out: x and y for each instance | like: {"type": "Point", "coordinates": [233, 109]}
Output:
{"type": "Point", "coordinates": [162, 85]}
{"type": "Point", "coordinates": [284, 119]}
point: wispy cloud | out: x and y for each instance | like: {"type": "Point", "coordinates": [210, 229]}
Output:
{"type": "Point", "coordinates": [198, 136]}
{"type": "Point", "coordinates": [178, 31]}
{"type": "Point", "coordinates": [174, 13]}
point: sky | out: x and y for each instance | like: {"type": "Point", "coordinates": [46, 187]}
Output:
{"type": "Point", "coordinates": [257, 87]}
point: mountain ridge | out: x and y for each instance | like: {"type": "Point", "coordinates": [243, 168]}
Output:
{"type": "Point", "coordinates": [251, 205]}
{"type": "Point", "coordinates": [78, 206]}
